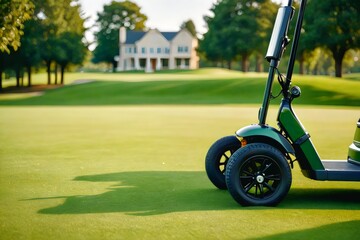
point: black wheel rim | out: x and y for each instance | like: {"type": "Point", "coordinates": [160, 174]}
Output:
{"type": "Point", "coordinates": [260, 177]}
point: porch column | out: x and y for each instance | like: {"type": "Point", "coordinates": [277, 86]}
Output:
{"type": "Point", "coordinates": [182, 64]}
{"type": "Point", "coordinates": [148, 68]}
{"type": "Point", "coordinates": [158, 64]}
{"type": "Point", "coordinates": [172, 63]}
{"type": "Point", "coordinates": [137, 63]}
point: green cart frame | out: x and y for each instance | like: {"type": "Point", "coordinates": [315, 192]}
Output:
{"type": "Point", "coordinates": [255, 164]}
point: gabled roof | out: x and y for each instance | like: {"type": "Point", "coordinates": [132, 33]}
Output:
{"type": "Point", "coordinates": [169, 35]}
{"type": "Point", "coordinates": [134, 36]}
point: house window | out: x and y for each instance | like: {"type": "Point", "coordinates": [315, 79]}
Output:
{"type": "Point", "coordinates": [130, 50]}
{"type": "Point", "coordinates": [158, 50]}
{"type": "Point", "coordinates": [143, 50]}
{"type": "Point", "coordinates": [165, 63]}
{"type": "Point", "coordinates": [178, 62]}
{"type": "Point", "coordinates": [151, 50]}
{"type": "Point", "coordinates": [187, 62]}
{"type": "Point", "coordinates": [183, 49]}
{"type": "Point", "coordinates": [135, 50]}
{"type": "Point", "coordinates": [167, 50]}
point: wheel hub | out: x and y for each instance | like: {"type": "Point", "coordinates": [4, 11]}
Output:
{"type": "Point", "coordinates": [260, 178]}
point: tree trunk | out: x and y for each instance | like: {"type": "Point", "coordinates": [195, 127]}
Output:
{"type": "Point", "coordinates": [114, 65]}
{"type": "Point", "coordinates": [55, 72]}
{"type": "Point", "coordinates": [62, 71]}
{"type": "Point", "coordinates": [28, 69]}
{"type": "Point", "coordinates": [245, 63]}
{"type": "Point", "coordinates": [48, 70]}
{"type": "Point", "coordinates": [338, 67]}
{"type": "Point", "coordinates": [1, 75]}
{"type": "Point", "coordinates": [229, 64]}
{"type": "Point", "coordinates": [338, 55]}
{"type": "Point", "coordinates": [302, 64]}
{"type": "Point", "coordinates": [17, 74]}
{"type": "Point", "coordinates": [259, 65]}
{"type": "Point", "coordinates": [302, 67]}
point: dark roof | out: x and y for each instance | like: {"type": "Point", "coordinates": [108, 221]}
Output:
{"type": "Point", "coordinates": [133, 36]}
{"type": "Point", "coordinates": [169, 35]}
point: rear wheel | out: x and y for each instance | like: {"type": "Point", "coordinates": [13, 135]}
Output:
{"type": "Point", "coordinates": [258, 174]}
{"type": "Point", "coordinates": [217, 158]}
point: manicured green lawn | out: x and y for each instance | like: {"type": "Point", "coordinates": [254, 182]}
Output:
{"type": "Point", "coordinates": [122, 157]}
{"type": "Point", "coordinates": [204, 86]}
{"type": "Point", "coordinates": [137, 172]}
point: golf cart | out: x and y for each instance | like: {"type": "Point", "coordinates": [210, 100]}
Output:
{"type": "Point", "coordinates": [254, 165]}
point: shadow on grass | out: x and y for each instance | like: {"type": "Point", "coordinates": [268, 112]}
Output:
{"type": "Point", "coordinates": [152, 193]}
{"type": "Point", "coordinates": [147, 193]}
{"type": "Point", "coordinates": [342, 230]}
{"type": "Point", "coordinates": [317, 198]}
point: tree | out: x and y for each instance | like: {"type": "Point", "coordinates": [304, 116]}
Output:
{"type": "Point", "coordinates": [115, 15]}
{"type": "Point", "coordinates": [52, 19]}
{"type": "Point", "coordinates": [217, 43]}
{"type": "Point", "coordinates": [58, 17]}
{"type": "Point", "coordinates": [13, 14]}
{"type": "Point", "coordinates": [4, 64]}
{"type": "Point", "coordinates": [29, 56]}
{"type": "Point", "coordinates": [43, 39]}
{"type": "Point", "coordinates": [190, 26]}
{"type": "Point", "coordinates": [238, 29]}
{"type": "Point", "coordinates": [265, 19]}
{"type": "Point", "coordinates": [334, 25]}
{"type": "Point", "coordinates": [70, 49]}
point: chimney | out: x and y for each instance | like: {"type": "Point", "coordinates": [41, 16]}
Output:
{"type": "Point", "coordinates": [122, 36]}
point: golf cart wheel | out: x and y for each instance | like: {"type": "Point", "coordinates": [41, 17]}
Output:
{"type": "Point", "coordinates": [258, 175]}
{"type": "Point", "coordinates": [217, 158]}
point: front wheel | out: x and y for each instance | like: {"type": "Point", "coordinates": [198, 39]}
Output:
{"type": "Point", "coordinates": [217, 158]}
{"type": "Point", "coordinates": [258, 174]}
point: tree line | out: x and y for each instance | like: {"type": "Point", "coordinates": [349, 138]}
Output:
{"type": "Point", "coordinates": [238, 29]}
{"type": "Point", "coordinates": [50, 34]}
{"type": "Point", "coordinates": [41, 32]}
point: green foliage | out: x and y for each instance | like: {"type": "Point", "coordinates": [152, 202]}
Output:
{"type": "Point", "coordinates": [190, 26]}
{"type": "Point", "coordinates": [115, 15]}
{"type": "Point", "coordinates": [13, 14]}
{"type": "Point", "coordinates": [333, 24]}
{"type": "Point", "coordinates": [237, 29]}
{"type": "Point", "coordinates": [60, 18]}
{"type": "Point", "coordinates": [49, 37]}
{"type": "Point", "coordinates": [69, 49]}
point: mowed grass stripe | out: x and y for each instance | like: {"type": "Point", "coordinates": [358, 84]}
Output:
{"type": "Point", "coordinates": [319, 91]}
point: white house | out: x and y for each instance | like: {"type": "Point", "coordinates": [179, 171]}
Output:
{"type": "Point", "coordinates": [155, 50]}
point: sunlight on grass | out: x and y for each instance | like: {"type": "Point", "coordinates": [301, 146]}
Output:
{"type": "Point", "coordinates": [137, 172]}
{"type": "Point", "coordinates": [204, 86]}
{"type": "Point", "coordinates": [201, 74]}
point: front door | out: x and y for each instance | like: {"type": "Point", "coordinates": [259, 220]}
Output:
{"type": "Point", "coordinates": [153, 64]}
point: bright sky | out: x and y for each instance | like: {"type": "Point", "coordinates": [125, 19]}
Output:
{"type": "Point", "coordinates": [165, 15]}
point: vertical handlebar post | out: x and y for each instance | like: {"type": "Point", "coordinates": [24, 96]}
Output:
{"type": "Point", "coordinates": [295, 44]}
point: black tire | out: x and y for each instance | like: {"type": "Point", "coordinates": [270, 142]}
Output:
{"type": "Point", "coordinates": [217, 158]}
{"type": "Point", "coordinates": [258, 175]}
